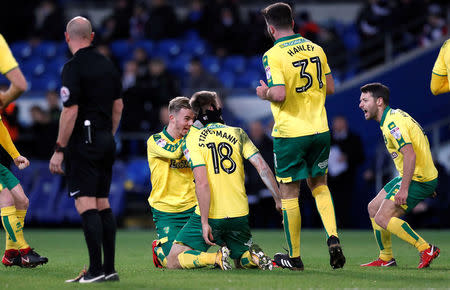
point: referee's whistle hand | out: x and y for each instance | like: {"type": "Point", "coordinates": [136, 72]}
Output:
{"type": "Point", "coordinates": [55, 165]}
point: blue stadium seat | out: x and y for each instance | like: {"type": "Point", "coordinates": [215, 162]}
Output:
{"type": "Point", "coordinates": [227, 78]}
{"type": "Point", "coordinates": [179, 65]}
{"type": "Point", "coordinates": [66, 209]}
{"type": "Point", "coordinates": [350, 37]}
{"type": "Point", "coordinates": [255, 63]}
{"type": "Point", "coordinates": [196, 47]}
{"type": "Point", "coordinates": [117, 190]}
{"type": "Point", "coordinates": [235, 63]}
{"type": "Point", "coordinates": [46, 50]}
{"type": "Point", "coordinates": [56, 64]}
{"type": "Point", "coordinates": [46, 82]}
{"type": "Point", "coordinates": [147, 45]}
{"type": "Point", "coordinates": [35, 66]}
{"type": "Point", "coordinates": [168, 47]}
{"type": "Point", "coordinates": [211, 63]}
{"type": "Point", "coordinates": [44, 196]}
{"type": "Point", "coordinates": [248, 79]}
{"type": "Point", "coordinates": [21, 50]}
{"type": "Point", "coordinates": [138, 173]}
{"type": "Point", "coordinates": [122, 48]}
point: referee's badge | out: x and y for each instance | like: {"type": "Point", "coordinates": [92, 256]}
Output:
{"type": "Point", "coordinates": [64, 93]}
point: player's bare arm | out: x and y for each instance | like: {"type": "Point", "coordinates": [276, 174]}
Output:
{"type": "Point", "coordinates": [330, 84]}
{"type": "Point", "coordinates": [66, 124]}
{"type": "Point", "coordinates": [204, 199]}
{"type": "Point", "coordinates": [116, 114]}
{"type": "Point", "coordinates": [409, 164]}
{"type": "Point", "coordinates": [439, 84]}
{"type": "Point", "coordinates": [16, 88]}
{"type": "Point", "coordinates": [273, 94]}
{"type": "Point", "coordinates": [267, 177]}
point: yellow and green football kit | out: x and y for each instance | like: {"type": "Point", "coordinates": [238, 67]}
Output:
{"type": "Point", "coordinates": [400, 129]}
{"type": "Point", "coordinates": [301, 133]}
{"type": "Point", "coordinates": [442, 69]}
{"type": "Point", "coordinates": [7, 60]}
{"type": "Point", "coordinates": [172, 198]}
{"type": "Point", "coordinates": [221, 149]}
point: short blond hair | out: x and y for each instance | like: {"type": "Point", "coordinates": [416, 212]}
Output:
{"type": "Point", "coordinates": [178, 103]}
{"type": "Point", "coordinates": [202, 100]}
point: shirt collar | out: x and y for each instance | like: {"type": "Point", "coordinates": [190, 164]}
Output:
{"type": "Point", "coordinates": [167, 134]}
{"type": "Point", "coordinates": [287, 38]}
{"type": "Point", "coordinates": [386, 110]}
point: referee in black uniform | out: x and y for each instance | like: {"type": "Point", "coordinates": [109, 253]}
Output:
{"type": "Point", "coordinates": [92, 110]}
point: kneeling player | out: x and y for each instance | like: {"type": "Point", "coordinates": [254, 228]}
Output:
{"type": "Point", "coordinates": [215, 154]}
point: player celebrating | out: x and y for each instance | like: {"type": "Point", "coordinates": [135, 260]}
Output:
{"type": "Point", "coordinates": [298, 80]}
{"type": "Point", "coordinates": [440, 76]}
{"type": "Point", "coordinates": [216, 154]}
{"type": "Point", "coordinates": [13, 201]}
{"type": "Point", "coordinates": [409, 147]}
{"type": "Point", "coordinates": [173, 191]}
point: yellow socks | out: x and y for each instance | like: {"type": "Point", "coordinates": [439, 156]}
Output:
{"type": "Point", "coordinates": [401, 229]}
{"type": "Point", "coordinates": [196, 259]}
{"type": "Point", "coordinates": [325, 207]}
{"type": "Point", "coordinates": [246, 261]}
{"type": "Point", "coordinates": [161, 256]}
{"type": "Point", "coordinates": [13, 228]}
{"type": "Point", "coordinates": [292, 223]}
{"type": "Point", "coordinates": [383, 238]}
{"type": "Point", "coordinates": [20, 214]}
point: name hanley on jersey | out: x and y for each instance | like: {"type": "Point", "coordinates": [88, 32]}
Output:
{"type": "Point", "coordinates": [299, 48]}
{"type": "Point", "coordinates": [218, 133]}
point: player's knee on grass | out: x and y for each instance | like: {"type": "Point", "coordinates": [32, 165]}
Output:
{"type": "Point", "coordinates": [172, 258]}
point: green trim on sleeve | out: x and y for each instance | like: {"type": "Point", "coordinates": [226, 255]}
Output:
{"type": "Point", "coordinates": [439, 74]}
{"type": "Point", "coordinates": [275, 85]}
{"type": "Point", "coordinates": [252, 155]}
{"type": "Point", "coordinates": [328, 73]}
{"type": "Point", "coordinates": [403, 145]}
{"type": "Point", "coordinates": [193, 166]}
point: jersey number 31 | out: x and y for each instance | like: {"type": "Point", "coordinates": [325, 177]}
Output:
{"type": "Point", "coordinates": [303, 74]}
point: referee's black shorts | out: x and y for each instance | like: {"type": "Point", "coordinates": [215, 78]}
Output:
{"type": "Point", "coordinates": [89, 166]}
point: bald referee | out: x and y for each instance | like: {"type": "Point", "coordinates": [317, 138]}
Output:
{"type": "Point", "coordinates": [92, 110]}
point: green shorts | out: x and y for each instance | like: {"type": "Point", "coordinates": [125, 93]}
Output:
{"type": "Point", "coordinates": [7, 179]}
{"type": "Point", "coordinates": [417, 192]}
{"type": "Point", "coordinates": [232, 232]}
{"type": "Point", "coordinates": [301, 157]}
{"type": "Point", "coordinates": [168, 224]}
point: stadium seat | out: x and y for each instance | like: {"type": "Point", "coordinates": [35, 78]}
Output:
{"type": "Point", "coordinates": [122, 48]}
{"type": "Point", "coordinates": [46, 50]}
{"type": "Point", "coordinates": [168, 48]}
{"type": "Point", "coordinates": [227, 78]}
{"type": "Point", "coordinates": [196, 47]}
{"type": "Point", "coordinates": [66, 209]}
{"type": "Point", "coordinates": [248, 79]}
{"type": "Point", "coordinates": [21, 50]}
{"type": "Point", "coordinates": [235, 63]}
{"type": "Point", "coordinates": [350, 37]}
{"type": "Point", "coordinates": [56, 64]}
{"type": "Point", "coordinates": [179, 65]}
{"type": "Point", "coordinates": [138, 174]}
{"type": "Point", "coordinates": [35, 66]}
{"type": "Point", "coordinates": [255, 63]}
{"type": "Point", "coordinates": [117, 190]}
{"type": "Point", "coordinates": [147, 45]}
{"type": "Point", "coordinates": [211, 63]}
{"type": "Point", "coordinates": [46, 82]}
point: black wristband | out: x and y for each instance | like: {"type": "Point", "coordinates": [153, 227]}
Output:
{"type": "Point", "coordinates": [59, 148]}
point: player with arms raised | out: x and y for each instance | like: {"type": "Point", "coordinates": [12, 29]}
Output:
{"type": "Point", "coordinates": [298, 81]}
{"type": "Point", "coordinates": [410, 150]}
{"type": "Point", "coordinates": [441, 71]}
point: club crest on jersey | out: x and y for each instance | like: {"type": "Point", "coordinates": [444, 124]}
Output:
{"type": "Point", "coordinates": [396, 133]}
{"type": "Point", "coordinates": [268, 74]}
{"type": "Point", "coordinates": [64, 94]}
{"type": "Point", "coordinates": [161, 143]}
{"type": "Point", "coordinates": [394, 155]}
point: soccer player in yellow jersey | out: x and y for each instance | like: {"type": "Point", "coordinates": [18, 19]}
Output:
{"type": "Point", "coordinates": [298, 80]}
{"type": "Point", "coordinates": [172, 198]}
{"type": "Point", "coordinates": [13, 201]}
{"type": "Point", "coordinates": [216, 154]}
{"type": "Point", "coordinates": [440, 77]}
{"type": "Point", "coordinates": [409, 148]}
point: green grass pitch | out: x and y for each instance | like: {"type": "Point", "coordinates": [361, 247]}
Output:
{"type": "Point", "coordinates": [67, 254]}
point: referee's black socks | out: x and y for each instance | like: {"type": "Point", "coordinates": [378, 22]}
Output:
{"type": "Point", "coordinates": [109, 239]}
{"type": "Point", "coordinates": [93, 232]}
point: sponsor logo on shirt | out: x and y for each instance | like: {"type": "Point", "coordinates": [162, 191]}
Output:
{"type": "Point", "coordinates": [64, 94]}
{"type": "Point", "coordinates": [323, 165]}
{"type": "Point", "coordinates": [396, 133]}
{"type": "Point", "coordinates": [268, 74]}
{"type": "Point", "coordinates": [394, 155]}
{"type": "Point", "coordinates": [161, 143]}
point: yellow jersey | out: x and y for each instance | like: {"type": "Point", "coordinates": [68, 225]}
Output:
{"type": "Point", "coordinates": [300, 65]}
{"type": "Point", "coordinates": [6, 142]}
{"type": "Point", "coordinates": [173, 188]}
{"type": "Point", "coordinates": [7, 60]}
{"type": "Point", "coordinates": [442, 64]}
{"type": "Point", "coordinates": [400, 129]}
{"type": "Point", "coordinates": [221, 149]}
